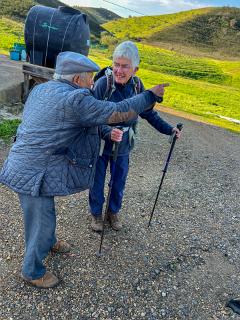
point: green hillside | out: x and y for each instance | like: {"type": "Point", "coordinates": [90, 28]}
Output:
{"type": "Point", "coordinates": [172, 63]}
{"type": "Point", "coordinates": [144, 27]}
{"type": "Point", "coordinates": [97, 16]}
{"type": "Point", "coordinates": [211, 30]}
{"type": "Point", "coordinates": [217, 30]}
{"type": "Point", "coordinates": [10, 31]}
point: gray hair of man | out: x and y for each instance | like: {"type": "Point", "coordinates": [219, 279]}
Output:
{"type": "Point", "coordinates": [69, 77]}
{"type": "Point", "coordinates": [129, 50]}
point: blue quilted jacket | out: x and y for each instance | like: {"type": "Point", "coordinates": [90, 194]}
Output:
{"type": "Point", "coordinates": [57, 143]}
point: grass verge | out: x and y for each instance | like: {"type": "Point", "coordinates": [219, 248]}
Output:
{"type": "Point", "coordinates": [8, 128]}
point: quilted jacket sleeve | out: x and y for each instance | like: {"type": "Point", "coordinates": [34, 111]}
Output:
{"type": "Point", "coordinates": [93, 112]}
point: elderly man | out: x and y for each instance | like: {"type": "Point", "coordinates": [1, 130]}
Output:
{"type": "Point", "coordinates": [122, 84]}
{"type": "Point", "coordinates": [56, 150]}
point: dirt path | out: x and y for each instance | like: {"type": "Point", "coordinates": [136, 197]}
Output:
{"type": "Point", "coordinates": [186, 266]}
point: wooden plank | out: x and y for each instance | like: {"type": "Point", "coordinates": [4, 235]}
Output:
{"type": "Point", "coordinates": [38, 71]}
{"type": "Point", "coordinates": [38, 74]}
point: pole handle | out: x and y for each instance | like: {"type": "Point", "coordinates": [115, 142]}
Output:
{"type": "Point", "coordinates": [180, 126]}
{"type": "Point", "coordinates": [115, 148]}
{"type": "Point", "coordinates": [115, 152]}
{"type": "Point", "coordinates": [173, 135]}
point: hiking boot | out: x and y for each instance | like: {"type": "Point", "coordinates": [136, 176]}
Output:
{"type": "Point", "coordinates": [49, 280]}
{"type": "Point", "coordinates": [61, 246]}
{"type": "Point", "coordinates": [114, 221]}
{"type": "Point", "coordinates": [97, 223]}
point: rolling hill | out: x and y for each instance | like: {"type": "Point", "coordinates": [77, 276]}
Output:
{"type": "Point", "coordinates": [214, 31]}
{"type": "Point", "coordinates": [97, 17]}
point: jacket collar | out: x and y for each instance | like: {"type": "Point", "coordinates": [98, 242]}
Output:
{"type": "Point", "coordinates": [70, 83]}
{"type": "Point", "coordinates": [74, 85]}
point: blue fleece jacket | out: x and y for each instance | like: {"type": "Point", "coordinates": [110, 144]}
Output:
{"type": "Point", "coordinates": [123, 92]}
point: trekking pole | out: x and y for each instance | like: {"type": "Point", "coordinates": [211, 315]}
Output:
{"type": "Point", "coordinates": [115, 155]}
{"type": "Point", "coordinates": [174, 139]}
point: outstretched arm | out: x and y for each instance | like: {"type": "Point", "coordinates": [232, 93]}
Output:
{"type": "Point", "coordinates": [92, 112]}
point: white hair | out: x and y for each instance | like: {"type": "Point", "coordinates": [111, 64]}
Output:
{"type": "Point", "coordinates": [69, 77]}
{"type": "Point", "coordinates": [129, 50]}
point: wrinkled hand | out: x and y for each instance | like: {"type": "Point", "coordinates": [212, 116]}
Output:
{"type": "Point", "coordinates": [116, 135]}
{"type": "Point", "coordinates": [159, 89]}
{"type": "Point", "coordinates": [178, 132]}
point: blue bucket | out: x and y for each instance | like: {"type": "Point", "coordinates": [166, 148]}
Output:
{"type": "Point", "coordinates": [14, 55]}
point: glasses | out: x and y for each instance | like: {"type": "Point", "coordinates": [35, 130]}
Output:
{"type": "Point", "coordinates": [125, 67]}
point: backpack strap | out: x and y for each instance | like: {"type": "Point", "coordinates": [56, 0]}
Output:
{"type": "Point", "coordinates": [110, 84]}
{"type": "Point", "coordinates": [137, 84]}
{"type": "Point", "coordinates": [134, 127]}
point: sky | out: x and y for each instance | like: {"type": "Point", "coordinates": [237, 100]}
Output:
{"type": "Point", "coordinates": [152, 7]}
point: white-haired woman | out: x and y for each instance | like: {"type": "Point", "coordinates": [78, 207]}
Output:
{"type": "Point", "coordinates": [122, 84]}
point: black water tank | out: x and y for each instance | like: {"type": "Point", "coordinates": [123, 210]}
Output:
{"type": "Point", "coordinates": [49, 31]}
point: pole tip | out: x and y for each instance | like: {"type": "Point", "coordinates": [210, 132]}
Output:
{"type": "Point", "coordinates": [99, 254]}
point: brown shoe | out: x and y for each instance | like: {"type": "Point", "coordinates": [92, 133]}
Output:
{"type": "Point", "coordinates": [61, 246]}
{"type": "Point", "coordinates": [114, 221]}
{"type": "Point", "coordinates": [49, 280]}
{"type": "Point", "coordinates": [97, 223]}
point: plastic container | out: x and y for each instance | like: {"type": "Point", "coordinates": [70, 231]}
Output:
{"type": "Point", "coordinates": [19, 46]}
{"type": "Point", "coordinates": [15, 55]}
{"type": "Point", "coordinates": [23, 55]}
{"type": "Point", "coordinates": [49, 31]}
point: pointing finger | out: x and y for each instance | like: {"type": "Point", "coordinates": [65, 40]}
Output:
{"type": "Point", "coordinates": [164, 84]}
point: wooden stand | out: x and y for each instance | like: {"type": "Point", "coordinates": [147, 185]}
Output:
{"type": "Point", "coordinates": [37, 74]}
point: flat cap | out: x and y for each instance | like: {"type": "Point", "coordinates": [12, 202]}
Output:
{"type": "Point", "coordinates": [72, 63]}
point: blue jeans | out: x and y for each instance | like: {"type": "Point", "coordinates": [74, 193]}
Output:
{"type": "Point", "coordinates": [39, 224]}
{"type": "Point", "coordinates": [96, 194]}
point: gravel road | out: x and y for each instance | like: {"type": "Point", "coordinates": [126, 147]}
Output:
{"type": "Point", "coordinates": [185, 266]}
